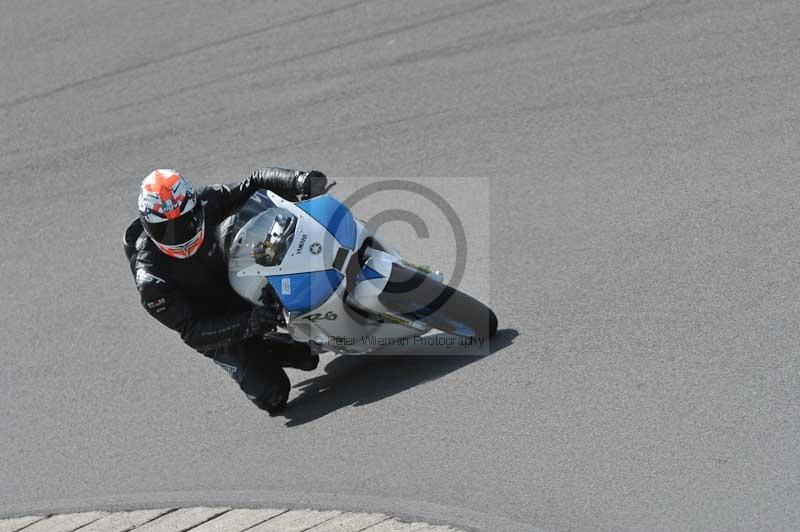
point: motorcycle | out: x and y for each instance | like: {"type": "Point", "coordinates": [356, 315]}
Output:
{"type": "Point", "coordinates": [333, 283]}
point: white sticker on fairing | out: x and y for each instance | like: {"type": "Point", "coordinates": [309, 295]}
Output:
{"type": "Point", "coordinates": [286, 286]}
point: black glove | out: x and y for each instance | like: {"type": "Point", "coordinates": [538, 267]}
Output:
{"type": "Point", "coordinates": [311, 184]}
{"type": "Point", "coordinates": [262, 320]}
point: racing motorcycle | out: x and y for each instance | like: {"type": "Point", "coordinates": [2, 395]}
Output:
{"type": "Point", "coordinates": [333, 282]}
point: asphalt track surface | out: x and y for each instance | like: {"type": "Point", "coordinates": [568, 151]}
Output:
{"type": "Point", "coordinates": [639, 163]}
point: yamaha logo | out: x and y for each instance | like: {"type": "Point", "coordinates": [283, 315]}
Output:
{"type": "Point", "coordinates": [301, 244]}
{"type": "Point", "coordinates": [315, 248]}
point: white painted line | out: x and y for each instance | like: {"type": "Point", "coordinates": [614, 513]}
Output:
{"type": "Point", "coordinates": [181, 520]}
{"type": "Point", "coordinates": [123, 521]}
{"type": "Point", "coordinates": [237, 520]}
{"type": "Point", "coordinates": [64, 522]}
{"type": "Point", "coordinates": [295, 521]}
{"type": "Point", "coordinates": [393, 525]}
{"type": "Point", "coordinates": [14, 524]}
{"type": "Point", "coordinates": [433, 528]}
{"type": "Point", "coordinates": [349, 522]}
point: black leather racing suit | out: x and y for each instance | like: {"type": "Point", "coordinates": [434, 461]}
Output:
{"type": "Point", "coordinates": [193, 297]}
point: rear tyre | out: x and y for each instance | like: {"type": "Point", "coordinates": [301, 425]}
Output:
{"type": "Point", "coordinates": [416, 296]}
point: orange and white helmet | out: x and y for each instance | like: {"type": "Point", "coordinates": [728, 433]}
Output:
{"type": "Point", "coordinates": [171, 213]}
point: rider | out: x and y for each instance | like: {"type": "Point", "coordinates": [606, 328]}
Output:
{"type": "Point", "coordinates": [182, 276]}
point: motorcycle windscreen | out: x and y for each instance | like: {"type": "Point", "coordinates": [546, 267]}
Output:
{"type": "Point", "coordinates": [263, 240]}
{"type": "Point", "coordinates": [230, 226]}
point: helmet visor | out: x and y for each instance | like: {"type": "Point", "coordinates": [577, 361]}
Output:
{"type": "Point", "coordinates": [180, 230]}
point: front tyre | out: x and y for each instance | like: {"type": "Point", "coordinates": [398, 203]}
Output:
{"type": "Point", "coordinates": [417, 296]}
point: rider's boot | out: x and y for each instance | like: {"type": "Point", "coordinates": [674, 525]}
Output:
{"type": "Point", "coordinates": [263, 381]}
{"type": "Point", "coordinates": [297, 356]}
{"type": "Point", "coordinates": [284, 351]}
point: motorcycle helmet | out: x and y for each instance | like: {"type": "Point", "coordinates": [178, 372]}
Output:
{"type": "Point", "coordinates": [171, 213]}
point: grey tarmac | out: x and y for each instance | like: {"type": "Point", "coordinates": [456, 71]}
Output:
{"type": "Point", "coordinates": [627, 176]}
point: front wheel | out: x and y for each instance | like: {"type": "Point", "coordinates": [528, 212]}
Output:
{"type": "Point", "coordinates": [416, 296]}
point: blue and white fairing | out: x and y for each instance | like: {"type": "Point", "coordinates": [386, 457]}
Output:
{"type": "Point", "coordinates": [303, 251]}
{"type": "Point", "coordinates": [292, 246]}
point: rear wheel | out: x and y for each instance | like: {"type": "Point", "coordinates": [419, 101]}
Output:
{"type": "Point", "coordinates": [416, 296]}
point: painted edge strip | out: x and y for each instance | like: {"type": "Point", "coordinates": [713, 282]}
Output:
{"type": "Point", "coordinates": [217, 519]}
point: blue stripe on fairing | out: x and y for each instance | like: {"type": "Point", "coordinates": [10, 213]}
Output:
{"type": "Point", "coordinates": [367, 273]}
{"type": "Point", "coordinates": [335, 216]}
{"type": "Point", "coordinates": [307, 290]}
